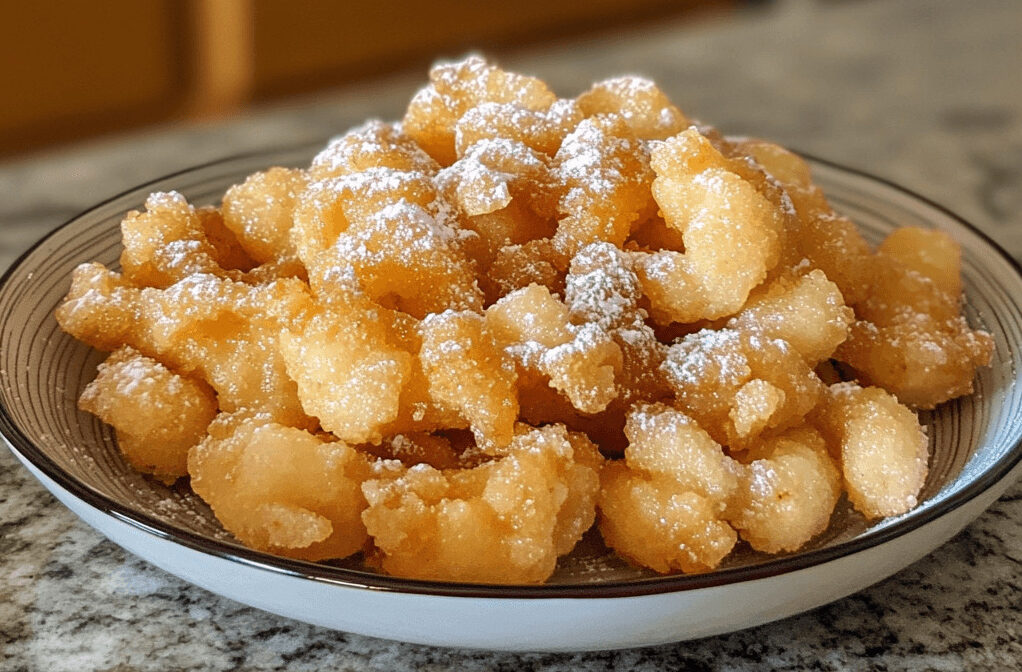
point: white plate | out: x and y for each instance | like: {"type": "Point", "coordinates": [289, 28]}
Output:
{"type": "Point", "coordinates": [593, 601]}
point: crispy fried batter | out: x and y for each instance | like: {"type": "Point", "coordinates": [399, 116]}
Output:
{"type": "Point", "coordinates": [662, 506]}
{"type": "Point", "coordinates": [157, 413]}
{"type": "Point", "coordinates": [504, 521]}
{"type": "Point", "coordinates": [788, 487]}
{"type": "Point", "coordinates": [732, 233]}
{"type": "Point", "coordinates": [281, 489]}
{"type": "Point", "coordinates": [882, 448]}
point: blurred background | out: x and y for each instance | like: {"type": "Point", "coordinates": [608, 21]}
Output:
{"type": "Point", "coordinates": [82, 68]}
{"type": "Point", "coordinates": [98, 96]}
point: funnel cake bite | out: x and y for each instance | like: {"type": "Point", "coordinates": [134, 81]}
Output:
{"type": "Point", "coordinates": [731, 232]}
{"type": "Point", "coordinates": [281, 489]}
{"type": "Point", "coordinates": [788, 487]}
{"type": "Point", "coordinates": [504, 521]}
{"type": "Point", "coordinates": [157, 413]}
{"type": "Point", "coordinates": [662, 506]}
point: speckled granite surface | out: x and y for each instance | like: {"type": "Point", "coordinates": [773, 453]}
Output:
{"type": "Point", "coordinates": [928, 94]}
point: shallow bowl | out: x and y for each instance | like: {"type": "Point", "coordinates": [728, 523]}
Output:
{"type": "Point", "coordinates": [593, 601]}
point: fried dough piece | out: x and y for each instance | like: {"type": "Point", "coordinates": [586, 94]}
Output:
{"type": "Point", "coordinates": [930, 253]}
{"type": "Point", "coordinates": [910, 338]}
{"type": "Point", "coordinates": [732, 233]}
{"type": "Point", "coordinates": [389, 234]}
{"type": "Point", "coordinates": [457, 87]}
{"type": "Point", "coordinates": [738, 385]}
{"type": "Point", "coordinates": [327, 208]}
{"type": "Point", "coordinates": [222, 331]}
{"type": "Point", "coordinates": [922, 361]}
{"type": "Point", "coordinates": [504, 521]}
{"type": "Point", "coordinates": [103, 310]}
{"type": "Point", "coordinates": [468, 372]}
{"type": "Point", "coordinates": [637, 100]}
{"type": "Point", "coordinates": [882, 448]}
{"type": "Point", "coordinates": [259, 212]}
{"type": "Point", "coordinates": [787, 489]}
{"type": "Point", "coordinates": [580, 362]}
{"type": "Point", "coordinates": [603, 289]}
{"type": "Point", "coordinates": [606, 175]}
{"type": "Point", "coordinates": [280, 489]}
{"type": "Point", "coordinates": [228, 333]}
{"type": "Point", "coordinates": [158, 414]}
{"type": "Point", "coordinates": [517, 266]}
{"type": "Point", "coordinates": [374, 144]}
{"type": "Point", "coordinates": [807, 311]}
{"type": "Point", "coordinates": [349, 369]}
{"type": "Point", "coordinates": [540, 130]}
{"type": "Point", "coordinates": [168, 241]}
{"type": "Point", "coordinates": [172, 240]}
{"type": "Point", "coordinates": [596, 349]}
{"type": "Point", "coordinates": [829, 241]}
{"type": "Point", "coordinates": [356, 367]}
{"type": "Point", "coordinates": [505, 192]}
{"type": "Point", "coordinates": [661, 507]}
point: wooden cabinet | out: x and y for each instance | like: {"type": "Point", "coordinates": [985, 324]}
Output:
{"type": "Point", "coordinates": [75, 67]}
{"type": "Point", "coordinates": [300, 43]}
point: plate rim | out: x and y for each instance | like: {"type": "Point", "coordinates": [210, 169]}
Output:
{"type": "Point", "coordinates": [364, 580]}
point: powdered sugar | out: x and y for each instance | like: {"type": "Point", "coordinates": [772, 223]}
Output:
{"type": "Point", "coordinates": [697, 355]}
{"type": "Point", "coordinates": [601, 287]}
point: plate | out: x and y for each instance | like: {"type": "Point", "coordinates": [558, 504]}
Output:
{"type": "Point", "coordinates": [593, 601]}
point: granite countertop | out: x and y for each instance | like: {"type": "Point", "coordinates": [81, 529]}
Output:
{"type": "Point", "coordinates": [925, 93]}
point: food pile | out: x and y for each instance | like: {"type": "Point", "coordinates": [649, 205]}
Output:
{"type": "Point", "coordinates": [455, 342]}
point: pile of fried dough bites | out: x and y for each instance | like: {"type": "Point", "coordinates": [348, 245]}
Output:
{"type": "Point", "coordinates": [456, 342]}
